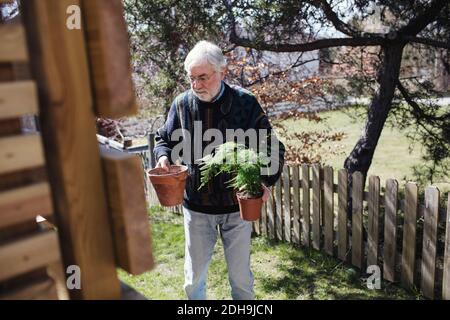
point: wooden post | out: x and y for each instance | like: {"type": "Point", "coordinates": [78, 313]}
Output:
{"type": "Point", "coordinates": [296, 204]}
{"type": "Point", "coordinates": [446, 277]}
{"type": "Point", "coordinates": [357, 220]}
{"type": "Point", "coordinates": [59, 64]}
{"type": "Point", "coordinates": [316, 186]}
{"type": "Point", "coordinates": [305, 206]}
{"type": "Point", "coordinates": [390, 229]}
{"type": "Point", "coordinates": [287, 204]}
{"type": "Point", "coordinates": [342, 214]}
{"type": "Point", "coordinates": [430, 226]}
{"type": "Point", "coordinates": [328, 210]}
{"type": "Point", "coordinates": [271, 215]}
{"type": "Point", "coordinates": [279, 210]}
{"type": "Point", "coordinates": [151, 147]}
{"type": "Point", "coordinates": [409, 236]}
{"type": "Point", "coordinates": [374, 220]}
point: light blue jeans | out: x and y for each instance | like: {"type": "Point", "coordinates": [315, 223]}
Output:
{"type": "Point", "coordinates": [200, 238]}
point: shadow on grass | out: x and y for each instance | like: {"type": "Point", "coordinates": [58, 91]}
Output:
{"type": "Point", "coordinates": [303, 273]}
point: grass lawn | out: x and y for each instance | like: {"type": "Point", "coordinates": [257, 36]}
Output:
{"type": "Point", "coordinates": [282, 271]}
{"type": "Point", "coordinates": [392, 158]}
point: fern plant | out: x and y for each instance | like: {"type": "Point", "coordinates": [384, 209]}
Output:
{"type": "Point", "coordinates": [242, 163]}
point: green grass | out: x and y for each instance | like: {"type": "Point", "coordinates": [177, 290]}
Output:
{"type": "Point", "coordinates": [393, 157]}
{"type": "Point", "coordinates": [282, 271]}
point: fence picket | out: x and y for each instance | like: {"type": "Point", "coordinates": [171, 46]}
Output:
{"type": "Point", "coordinates": [296, 204]}
{"type": "Point", "coordinates": [409, 235]}
{"type": "Point", "coordinates": [357, 220]}
{"type": "Point", "coordinates": [316, 183]}
{"type": "Point", "coordinates": [390, 230]}
{"type": "Point", "coordinates": [279, 212]}
{"type": "Point", "coordinates": [342, 214]}
{"type": "Point", "coordinates": [287, 203]}
{"type": "Point", "coordinates": [264, 219]}
{"type": "Point", "coordinates": [430, 225]}
{"type": "Point", "coordinates": [328, 209]}
{"type": "Point", "coordinates": [374, 220]}
{"type": "Point", "coordinates": [306, 222]}
{"type": "Point", "coordinates": [446, 277]}
{"type": "Point", "coordinates": [271, 215]}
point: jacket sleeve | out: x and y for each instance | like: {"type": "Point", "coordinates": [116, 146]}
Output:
{"type": "Point", "coordinates": [163, 142]}
{"type": "Point", "coordinates": [275, 149]}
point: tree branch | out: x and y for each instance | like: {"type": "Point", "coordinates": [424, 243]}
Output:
{"type": "Point", "coordinates": [338, 24]}
{"type": "Point", "coordinates": [428, 42]}
{"type": "Point", "coordinates": [419, 23]}
{"type": "Point", "coordinates": [416, 108]}
{"type": "Point", "coordinates": [309, 46]}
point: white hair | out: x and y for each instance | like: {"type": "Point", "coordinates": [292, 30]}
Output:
{"type": "Point", "coordinates": [205, 51]}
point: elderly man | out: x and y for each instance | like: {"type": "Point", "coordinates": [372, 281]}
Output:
{"type": "Point", "coordinates": [215, 105]}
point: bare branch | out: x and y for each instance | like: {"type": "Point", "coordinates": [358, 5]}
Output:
{"type": "Point", "coordinates": [309, 46]}
{"type": "Point", "coordinates": [420, 22]}
{"type": "Point", "coordinates": [417, 110]}
{"type": "Point", "coordinates": [428, 42]}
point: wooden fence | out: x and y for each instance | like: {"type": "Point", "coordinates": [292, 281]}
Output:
{"type": "Point", "coordinates": [407, 239]}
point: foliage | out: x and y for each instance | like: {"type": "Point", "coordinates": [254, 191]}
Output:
{"type": "Point", "coordinates": [243, 164]}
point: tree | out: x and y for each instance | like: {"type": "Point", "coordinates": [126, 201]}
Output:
{"type": "Point", "coordinates": [296, 26]}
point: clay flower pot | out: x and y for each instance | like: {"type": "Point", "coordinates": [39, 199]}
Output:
{"type": "Point", "coordinates": [250, 208]}
{"type": "Point", "coordinates": [169, 186]}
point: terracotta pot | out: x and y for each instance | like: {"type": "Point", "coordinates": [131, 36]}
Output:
{"type": "Point", "coordinates": [169, 186]}
{"type": "Point", "coordinates": [250, 208]}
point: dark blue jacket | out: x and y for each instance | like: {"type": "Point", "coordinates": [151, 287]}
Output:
{"type": "Point", "coordinates": [237, 108]}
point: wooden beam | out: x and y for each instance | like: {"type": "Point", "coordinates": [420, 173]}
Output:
{"type": "Point", "coordinates": [109, 54]}
{"type": "Point", "coordinates": [12, 38]}
{"type": "Point", "coordinates": [24, 204]}
{"type": "Point", "coordinates": [20, 152]}
{"type": "Point", "coordinates": [128, 209]}
{"type": "Point", "coordinates": [27, 254]}
{"type": "Point", "coordinates": [42, 289]}
{"type": "Point", "coordinates": [71, 147]}
{"type": "Point", "coordinates": [18, 99]}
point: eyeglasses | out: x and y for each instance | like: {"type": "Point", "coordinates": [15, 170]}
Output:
{"type": "Point", "coordinates": [201, 79]}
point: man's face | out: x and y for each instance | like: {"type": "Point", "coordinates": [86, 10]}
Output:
{"type": "Point", "coordinates": [205, 81]}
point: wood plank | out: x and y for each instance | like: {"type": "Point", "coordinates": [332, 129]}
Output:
{"type": "Point", "coordinates": [18, 99]}
{"type": "Point", "coordinates": [328, 210]}
{"type": "Point", "coordinates": [271, 215]}
{"type": "Point", "coordinates": [126, 204]}
{"type": "Point", "coordinates": [409, 236]}
{"type": "Point", "coordinates": [279, 210]}
{"type": "Point", "coordinates": [373, 221]}
{"type": "Point", "coordinates": [109, 54]}
{"type": "Point", "coordinates": [287, 203]}
{"type": "Point", "coordinates": [24, 204]}
{"type": "Point", "coordinates": [446, 269]}
{"type": "Point", "coordinates": [12, 38]}
{"type": "Point", "coordinates": [29, 253]}
{"type": "Point", "coordinates": [263, 224]}
{"type": "Point", "coordinates": [342, 214]}
{"type": "Point", "coordinates": [40, 289]}
{"type": "Point", "coordinates": [430, 226]}
{"type": "Point", "coordinates": [296, 236]}
{"type": "Point", "coordinates": [390, 230]}
{"type": "Point", "coordinates": [306, 223]}
{"type": "Point", "coordinates": [316, 206]}
{"type": "Point", "coordinates": [20, 152]}
{"type": "Point", "coordinates": [357, 220]}
{"type": "Point", "coordinates": [69, 131]}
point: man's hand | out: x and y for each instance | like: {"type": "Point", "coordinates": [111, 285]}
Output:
{"type": "Point", "coordinates": [163, 162]}
{"type": "Point", "coordinates": [266, 193]}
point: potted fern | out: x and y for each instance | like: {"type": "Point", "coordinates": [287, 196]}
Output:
{"type": "Point", "coordinates": [244, 165]}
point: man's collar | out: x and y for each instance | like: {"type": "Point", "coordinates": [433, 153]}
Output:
{"type": "Point", "coordinates": [219, 95]}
